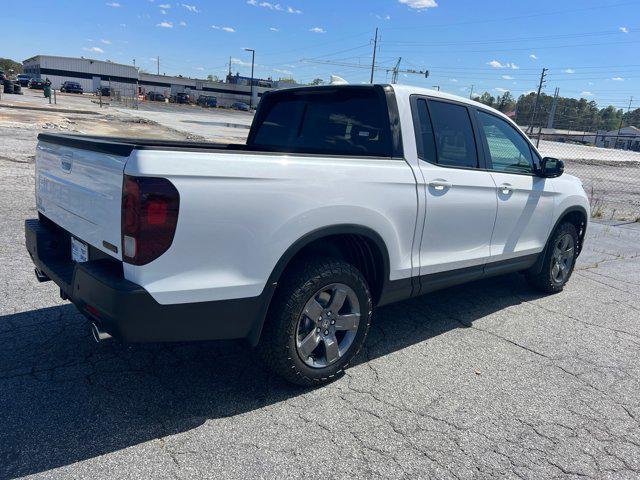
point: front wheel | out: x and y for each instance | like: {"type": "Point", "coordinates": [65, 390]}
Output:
{"type": "Point", "coordinates": [318, 321]}
{"type": "Point", "coordinates": [559, 260]}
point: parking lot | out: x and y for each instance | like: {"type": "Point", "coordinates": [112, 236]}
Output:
{"type": "Point", "coordinates": [483, 380]}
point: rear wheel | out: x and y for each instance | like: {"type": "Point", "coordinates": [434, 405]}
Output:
{"type": "Point", "coordinates": [559, 260]}
{"type": "Point", "coordinates": [318, 321]}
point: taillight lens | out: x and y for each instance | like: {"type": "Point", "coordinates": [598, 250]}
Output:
{"type": "Point", "coordinates": [149, 217]}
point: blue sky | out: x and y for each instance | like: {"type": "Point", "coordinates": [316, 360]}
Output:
{"type": "Point", "coordinates": [589, 46]}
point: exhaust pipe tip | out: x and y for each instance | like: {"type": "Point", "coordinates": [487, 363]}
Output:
{"type": "Point", "coordinates": [99, 335]}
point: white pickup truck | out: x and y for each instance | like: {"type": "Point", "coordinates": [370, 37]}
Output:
{"type": "Point", "coordinates": [344, 198]}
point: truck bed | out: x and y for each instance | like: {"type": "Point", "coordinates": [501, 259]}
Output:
{"type": "Point", "coordinates": [123, 146]}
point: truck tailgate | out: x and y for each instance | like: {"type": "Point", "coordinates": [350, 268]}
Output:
{"type": "Point", "coordinates": [80, 189]}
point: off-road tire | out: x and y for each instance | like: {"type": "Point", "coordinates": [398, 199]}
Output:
{"type": "Point", "coordinates": [277, 346]}
{"type": "Point", "coordinates": [544, 281]}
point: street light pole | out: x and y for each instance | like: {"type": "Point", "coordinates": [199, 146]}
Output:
{"type": "Point", "coordinates": [253, 60]}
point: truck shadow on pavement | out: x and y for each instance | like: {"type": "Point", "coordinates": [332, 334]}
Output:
{"type": "Point", "coordinates": [65, 399]}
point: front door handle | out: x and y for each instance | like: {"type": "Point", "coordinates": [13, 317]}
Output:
{"type": "Point", "coordinates": [440, 185]}
{"type": "Point", "coordinates": [505, 189]}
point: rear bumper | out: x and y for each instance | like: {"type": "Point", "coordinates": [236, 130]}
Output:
{"type": "Point", "coordinates": [126, 310]}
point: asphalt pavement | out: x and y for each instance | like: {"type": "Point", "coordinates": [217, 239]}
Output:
{"type": "Point", "coordinates": [486, 380]}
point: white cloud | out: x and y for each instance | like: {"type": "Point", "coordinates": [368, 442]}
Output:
{"type": "Point", "coordinates": [454, 80]}
{"type": "Point", "coordinates": [274, 6]}
{"type": "Point", "coordinates": [317, 30]}
{"type": "Point", "coordinates": [274, 29]}
{"type": "Point", "coordinates": [508, 77]}
{"type": "Point", "coordinates": [533, 56]}
{"type": "Point", "coordinates": [165, 25]}
{"type": "Point", "coordinates": [242, 63]}
{"type": "Point", "coordinates": [191, 8]}
{"type": "Point", "coordinates": [165, 6]}
{"type": "Point", "coordinates": [200, 69]}
{"type": "Point", "coordinates": [624, 29]}
{"type": "Point", "coordinates": [113, 5]}
{"type": "Point", "coordinates": [284, 72]}
{"type": "Point", "coordinates": [123, 25]}
{"type": "Point", "coordinates": [183, 24]}
{"type": "Point", "coordinates": [419, 4]}
{"type": "Point", "coordinates": [383, 17]}
{"type": "Point", "coordinates": [569, 70]}
{"type": "Point", "coordinates": [106, 42]}
{"type": "Point", "coordinates": [93, 49]}
{"type": "Point", "coordinates": [586, 94]}
{"type": "Point", "coordinates": [618, 79]}
{"type": "Point", "coordinates": [225, 29]}
{"type": "Point", "coordinates": [501, 90]}
{"type": "Point", "coordinates": [497, 64]}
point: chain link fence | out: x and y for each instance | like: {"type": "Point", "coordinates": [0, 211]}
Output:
{"type": "Point", "coordinates": [126, 97]}
{"type": "Point", "coordinates": [608, 166]}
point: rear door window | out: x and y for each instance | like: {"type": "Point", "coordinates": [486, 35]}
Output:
{"type": "Point", "coordinates": [347, 121]}
{"type": "Point", "coordinates": [453, 134]}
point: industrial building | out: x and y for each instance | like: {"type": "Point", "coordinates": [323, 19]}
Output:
{"type": "Point", "coordinates": [129, 80]}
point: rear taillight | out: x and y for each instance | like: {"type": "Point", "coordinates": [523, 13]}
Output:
{"type": "Point", "coordinates": [149, 218]}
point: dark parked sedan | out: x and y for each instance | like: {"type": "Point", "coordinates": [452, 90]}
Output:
{"type": "Point", "coordinates": [207, 101]}
{"type": "Point", "coordinates": [155, 97]}
{"type": "Point", "coordinates": [240, 106]}
{"type": "Point", "coordinates": [71, 87]}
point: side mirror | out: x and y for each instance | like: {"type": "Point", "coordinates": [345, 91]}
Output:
{"type": "Point", "coordinates": [551, 167]}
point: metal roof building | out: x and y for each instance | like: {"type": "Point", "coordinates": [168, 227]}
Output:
{"type": "Point", "coordinates": [89, 73]}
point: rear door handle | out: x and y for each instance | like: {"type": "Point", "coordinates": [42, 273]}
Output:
{"type": "Point", "coordinates": [440, 185]}
{"type": "Point", "coordinates": [505, 188]}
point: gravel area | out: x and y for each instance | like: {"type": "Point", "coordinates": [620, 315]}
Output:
{"type": "Point", "coordinates": [487, 380]}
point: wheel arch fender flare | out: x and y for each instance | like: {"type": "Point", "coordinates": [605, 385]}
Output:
{"type": "Point", "coordinates": [537, 267]}
{"type": "Point", "coordinates": [296, 247]}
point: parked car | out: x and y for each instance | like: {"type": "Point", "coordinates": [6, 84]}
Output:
{"type": "Point", "coordinates": [71, 87]}
{"type": "Point", "coordinates": [155, 97]}
{"type": "Point", "coordinates": [37, 84]}
{"type": "Point", "coordinates": [240, 106]}
{"type": "Point", "coordinates": [181, 97]}
{"type": "Point", "coordinates": [343, 199]}
{"type": "Point", "coordinates": [24, 79]}
{"type": "Point", "coordinates": [3, 76]}
{"type": "Point", "coordinates": [104, 91]}
{"type": "Point", "coordinates": [207, 101]}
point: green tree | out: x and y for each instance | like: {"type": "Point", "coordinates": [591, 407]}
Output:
{"type": "Point", "coordinates": [213, 78]}
{"type": "Point", "coordinates": [505, 103]}
{"type": "Point", "coordinates": [487, 99]}
{"type": "Point", "coordinates": [7, 65]}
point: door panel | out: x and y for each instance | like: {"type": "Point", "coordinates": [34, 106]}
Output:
{"type": "Point", "coordinates": [460, 198]}
{"type": "Point", "coordinates": [460, 214]}
{"type": "Point", "coordinates": [525, 201]}
{"type": "Point", "coordinates": [525, 212]}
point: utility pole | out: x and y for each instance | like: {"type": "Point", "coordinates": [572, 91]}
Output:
{"type": "Point", "coordinates": [471, 93]}
{"type": "Point", "coordinates": [554, 106]}
{"type": "Point", "coordinates": [134, 62]}
{"type": "Point", "coordinates": [535, 105]}
{"type": "Point", "coordinates": [253, 58]}
{"type": "Point", "coordinates": [158, 64]}
{"type": "Point", "coordinates": [373, 62]}
{"type": "Point", "coordinates": [437, 87]}
{"type": "Point", "coordinates": [622, 121]}
{"type": "Point", "coordinates": [229, 67]}
{"type": "Point", "coordinates": [394, 77]}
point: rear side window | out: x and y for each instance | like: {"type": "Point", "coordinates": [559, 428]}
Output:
{"type": "Point", "coordinates": [454, 138]}
{"type": "Point", "coordinates": [348, 121]}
